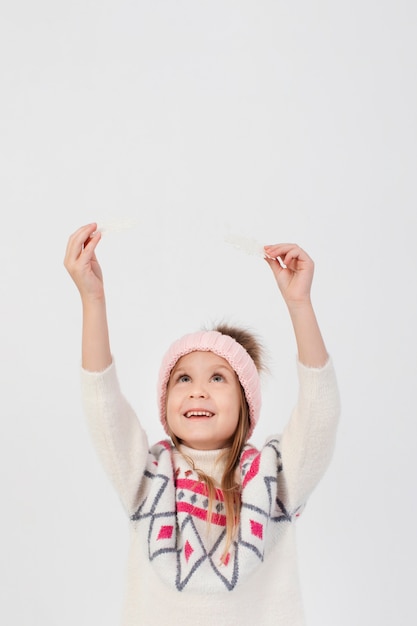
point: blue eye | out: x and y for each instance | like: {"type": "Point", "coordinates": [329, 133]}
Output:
{"type": "Point", "coordinates": [217, 378]}
{"type": "Point", "coordinates": [184, 378]}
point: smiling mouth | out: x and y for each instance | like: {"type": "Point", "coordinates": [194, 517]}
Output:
{"type": "Point", "coordinates": [190, 414]}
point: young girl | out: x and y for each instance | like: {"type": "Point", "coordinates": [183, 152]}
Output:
{"type": "Point", "coordinates": [212, 519]}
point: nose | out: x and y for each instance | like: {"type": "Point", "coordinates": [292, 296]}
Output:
{"type": "Point", "coordinates": [198, 391]}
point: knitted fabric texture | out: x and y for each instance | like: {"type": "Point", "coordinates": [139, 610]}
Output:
{"type": "Point", "coordinates": [227, 348]}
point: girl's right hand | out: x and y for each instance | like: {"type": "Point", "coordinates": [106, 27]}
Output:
{"type": "Point", "coordinates": [81, 262]}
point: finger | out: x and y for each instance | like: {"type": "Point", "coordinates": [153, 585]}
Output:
{"type": "Point", "coordinates": [292, 257]}
{"type": "Point", "coordinates": [82, 235]}
{"type": "Point", "coordinates": [289, 253]}
{"type": "Point", "coordinates": [90, 244]}
{"type": "Point", "coordinates": [297, 259]}
{"type": "Point", "coordinates": [279, 249]}
{"type": "Point", "coordinates": [77, 240]}
{"type": "Point", "coordinates": [277, 259]}
{"type": "Point", "coordinates": [276, 265]}
{"type": "Point", "coordinates": [283, 253]}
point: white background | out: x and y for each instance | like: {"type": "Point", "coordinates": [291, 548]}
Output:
{"type": "Point", "coordinates": [282, 121]}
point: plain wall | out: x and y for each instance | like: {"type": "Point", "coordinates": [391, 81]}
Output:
{"type": "Point", "coordinates": [273, 120]}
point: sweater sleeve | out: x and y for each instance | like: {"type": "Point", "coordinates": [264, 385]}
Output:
{"type": "Point", "coordinates": [308, 440]}
{"type": "Point", "coordinates": [118, 437]}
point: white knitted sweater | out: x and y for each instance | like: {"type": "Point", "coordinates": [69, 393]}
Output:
{"type": "Point", "coordinates": [175, 575]}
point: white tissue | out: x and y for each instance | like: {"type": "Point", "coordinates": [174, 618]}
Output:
{"type": "Point", "coordinates": [250, 246]}
{"type": "Point", "coordinates": [116, 225]}
{"type": "Point", "coordinates": [246, 244]}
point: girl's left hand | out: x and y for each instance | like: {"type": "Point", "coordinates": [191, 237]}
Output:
{"type": "Point", "coordinates": [295, 280]}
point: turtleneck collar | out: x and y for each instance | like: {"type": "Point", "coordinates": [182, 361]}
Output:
{"type": "Point", "coordinates": [211, 462]}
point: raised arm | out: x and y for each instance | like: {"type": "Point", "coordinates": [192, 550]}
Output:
{"type": "Point", "coordinates": [118, 437]}
{"type": "Point", "coordinates": [294, 282]}
{"type": "Point", "coordinates": [83, 267]}
{"type": "Point", "coordinates": [308, 439]}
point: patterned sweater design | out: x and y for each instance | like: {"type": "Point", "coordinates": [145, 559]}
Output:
{"type": "Point", "coordinates": [168, 506]}
{"type": "Point", "coordinates": [184, 549]}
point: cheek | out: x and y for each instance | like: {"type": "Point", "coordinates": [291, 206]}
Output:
{"type": "Point", "coordinates": [168, 409]}
{"type": "Point", "coordinates": [170, 419]}
{"type": "Point", "coordinates": [172, 405]}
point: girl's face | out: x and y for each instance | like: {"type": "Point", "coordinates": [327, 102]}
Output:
{"type": "Point", "coordinates": [203, 401]}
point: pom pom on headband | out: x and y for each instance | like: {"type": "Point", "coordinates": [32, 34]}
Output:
{"type": "Point", "coordinates": [226, 347]}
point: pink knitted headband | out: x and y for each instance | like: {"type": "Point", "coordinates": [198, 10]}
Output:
{"type": "Point", "coordinates": [224, 346]}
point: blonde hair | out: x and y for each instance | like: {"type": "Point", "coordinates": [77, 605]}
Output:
{"type": "Point", "coordinates": [230, 487]}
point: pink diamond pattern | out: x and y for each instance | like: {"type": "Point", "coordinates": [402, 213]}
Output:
{"type": "Point", "coordinates": [188, 550]}
{"type": "Point", "coordinates": [165, 532]}
{"type": "Point", "coordinates": [257, 529]}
